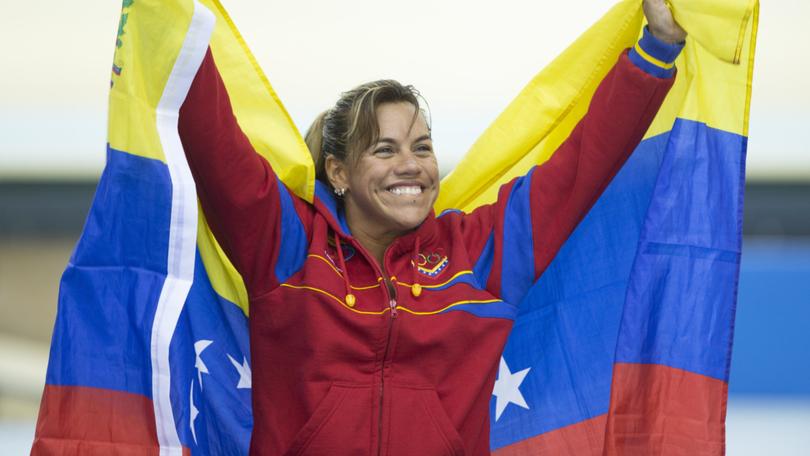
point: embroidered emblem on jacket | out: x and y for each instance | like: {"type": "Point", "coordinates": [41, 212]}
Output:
{"type": "Point", "coordinates": [431, 264]}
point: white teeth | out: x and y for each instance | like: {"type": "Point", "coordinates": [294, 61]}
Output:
{"type": "Point", "coordinates": [414, 190]}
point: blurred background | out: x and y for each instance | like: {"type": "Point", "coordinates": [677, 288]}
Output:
{"type": "Point", "coordinates": [469, 59]}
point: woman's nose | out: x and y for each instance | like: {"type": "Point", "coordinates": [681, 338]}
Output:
{"type": "Point", "coordinates": [407, 164]}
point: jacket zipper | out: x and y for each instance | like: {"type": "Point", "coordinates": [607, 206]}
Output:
{"type": "Point", "coordinates": [391, 294]}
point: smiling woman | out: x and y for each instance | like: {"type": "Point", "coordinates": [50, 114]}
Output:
{"type": "Point", "coordinates": [365, 306]}
{"type": "Point", "coordinates": [394, 183]}
{"type": "Point", "coordinates": [375, 151]}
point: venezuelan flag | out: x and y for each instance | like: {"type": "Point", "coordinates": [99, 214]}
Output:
{"type": "Point", "coordinates": [622, 347]}
{"type": "Point", "coordinates": [150, 349]}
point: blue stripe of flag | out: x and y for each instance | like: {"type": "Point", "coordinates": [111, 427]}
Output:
{"type": "Point", "coordinates": [109, 291]}
{"type": "Point", "coordinates": [683, 288]}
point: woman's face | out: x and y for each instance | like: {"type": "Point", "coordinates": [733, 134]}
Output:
{"type": "Point", "coordinates": [392, 187]}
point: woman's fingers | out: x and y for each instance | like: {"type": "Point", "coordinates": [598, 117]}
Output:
{"type": "Point", "coordinates": [662, 24]}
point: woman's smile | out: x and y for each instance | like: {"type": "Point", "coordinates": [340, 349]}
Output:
{"type": "Point", "coordinates": [406, 190]}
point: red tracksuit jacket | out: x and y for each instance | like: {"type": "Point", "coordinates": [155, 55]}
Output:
{"type": "Point", "coordinates": [395, 374]}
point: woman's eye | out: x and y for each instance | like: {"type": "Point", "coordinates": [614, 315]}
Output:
{"type": "Point", "coordinates": [384, 151]}
{"type": "Point", "coordinates": [424, 148]}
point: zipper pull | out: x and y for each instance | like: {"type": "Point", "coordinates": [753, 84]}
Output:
{"type": "Point", "coordinates": [392, 304]}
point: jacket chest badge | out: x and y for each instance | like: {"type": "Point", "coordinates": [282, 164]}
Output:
{"type": "Point", "coordinates": [431, 264]}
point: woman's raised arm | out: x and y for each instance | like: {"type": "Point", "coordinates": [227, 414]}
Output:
{"type": "Point", "coordinates": [520, 234]}
{"type": "Point", "coordinates": [247, 207]}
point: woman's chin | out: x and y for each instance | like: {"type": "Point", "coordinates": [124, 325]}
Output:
{"type": "Point", "coordinates": [408, 220]}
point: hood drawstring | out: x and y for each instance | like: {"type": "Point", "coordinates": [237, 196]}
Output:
{"type": "Point", "coordinates": [416, 288]}
{"type": "Point", "coordinates": [350, 298]}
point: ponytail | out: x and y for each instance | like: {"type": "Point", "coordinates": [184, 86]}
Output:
{"type": "Point", "coordinates": [314, 141]}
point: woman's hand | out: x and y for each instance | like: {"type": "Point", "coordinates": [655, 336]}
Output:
{"type": "Point", "coordinates": [662, 24]}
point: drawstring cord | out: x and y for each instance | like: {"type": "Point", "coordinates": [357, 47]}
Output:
{"type": "Point", "coordinates": [350, 299]}
{"type": "Point", "coordinates": [416, 288]}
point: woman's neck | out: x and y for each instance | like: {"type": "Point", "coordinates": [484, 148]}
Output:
{"type": "Point", "coordinates": [374, 243]}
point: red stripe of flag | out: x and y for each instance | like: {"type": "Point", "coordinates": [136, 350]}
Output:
{"type": "Point", "coordinates": [662, 410]}
{"type": "Point", "coordinates": [94, 421]}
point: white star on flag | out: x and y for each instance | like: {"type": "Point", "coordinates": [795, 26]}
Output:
{"type": "Point", "coordinates": [244, 373]}
{"type": "Point", "coordinates": [192, 413]}
{"type": "Point", "coordinates": [507, 388]}
{"type": "Point", "coordinates": [199, 346]}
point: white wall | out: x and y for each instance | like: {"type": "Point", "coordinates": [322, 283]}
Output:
{"type": "Point", "coordinates": [469, 58]}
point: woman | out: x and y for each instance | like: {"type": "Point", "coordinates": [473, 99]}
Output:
{"type": "Point", "coordinates": [377, 327]}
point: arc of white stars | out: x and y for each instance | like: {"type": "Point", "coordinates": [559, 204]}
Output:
{"type": "Point", "coordinates": [244, 372]}
{"type": "Point", "coordinates": [199, 346]}
{"type": "Point", "coordinates": [507, 388]}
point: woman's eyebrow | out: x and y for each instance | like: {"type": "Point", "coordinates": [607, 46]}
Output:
{"type": "Point", "coordinates": [394, 141]}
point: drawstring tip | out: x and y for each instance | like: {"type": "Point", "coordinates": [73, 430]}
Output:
{"type": "Point", "coordinates": [416, 290]}
{"type": "Point", "coordinates": [350, 300]}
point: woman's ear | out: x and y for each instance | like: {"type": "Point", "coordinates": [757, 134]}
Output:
{"type": "Point", "coordinates": [336, 172]}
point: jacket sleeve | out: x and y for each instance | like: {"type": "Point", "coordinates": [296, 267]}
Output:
{"type": "Point", "coordinates": [514, 239]}
{"type": "Point", "coordinates": [247, 207]}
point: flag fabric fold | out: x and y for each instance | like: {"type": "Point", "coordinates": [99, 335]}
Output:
{"type": "Point", "coordinates": [621, 347]}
